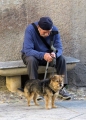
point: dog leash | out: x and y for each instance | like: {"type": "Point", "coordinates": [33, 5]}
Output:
{"type": "Point", "coordinates": [46, 69]}
{"type": "Point", "coordinates": [53, 69]}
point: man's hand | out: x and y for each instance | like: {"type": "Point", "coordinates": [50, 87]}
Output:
{"type": "Point", "coordinates": [53, 55]}
{"type": "Point", "coordinates": [48, 57]}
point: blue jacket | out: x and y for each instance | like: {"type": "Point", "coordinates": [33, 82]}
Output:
{"type": "Point", "coordinates": [34, 46]}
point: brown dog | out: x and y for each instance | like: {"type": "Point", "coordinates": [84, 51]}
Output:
{"type": "Point", "coordinates": [49, 89]}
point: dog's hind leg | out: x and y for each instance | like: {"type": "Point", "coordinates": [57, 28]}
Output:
{"type": "Point", "coordinates": [35, 99]}
{"type": "Point", "coordinates": [28, 95]}
{"type": "Point", "coordinates": [29, 98]}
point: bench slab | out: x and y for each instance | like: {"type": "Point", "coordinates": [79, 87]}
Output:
{"type": "Point", "coordinates": [23, 70]}
{"type": "Point", "coordinates": [20, 64]}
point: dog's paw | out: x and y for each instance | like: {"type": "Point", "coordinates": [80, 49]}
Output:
{"type": "Point", "coordinates": [29, 105]}
{"type": "Point", "coordinates": [36, 104]}
{"type": "Point", "coordinates": [47, 108]}
{"type": "Point", "coordinates": [54, 106]}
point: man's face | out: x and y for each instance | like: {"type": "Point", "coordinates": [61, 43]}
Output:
{"type": "Point", "coordinates": [44, 33]}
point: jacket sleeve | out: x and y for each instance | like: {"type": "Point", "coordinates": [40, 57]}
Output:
{"type": "Point", "coordinates": [28, 45]}
{"type": "Point", "coordinates": [58, 43]}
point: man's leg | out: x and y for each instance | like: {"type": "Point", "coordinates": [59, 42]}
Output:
{"type": "Point", "coordinates": [61, 70]}
{"type": "Point", "coordinates": [32, 66]}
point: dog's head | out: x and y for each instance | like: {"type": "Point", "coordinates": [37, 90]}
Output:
{"type": "Point", "coordinates": [56, 82]}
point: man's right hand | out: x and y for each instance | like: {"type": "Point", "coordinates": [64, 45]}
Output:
{"type": "Point", "coordinates": [47, 57]}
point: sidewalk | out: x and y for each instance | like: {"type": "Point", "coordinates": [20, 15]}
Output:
{"type": "Point", "coordinates": [67, 110]}
{"type": "Point", "coordinates": [14, 107]}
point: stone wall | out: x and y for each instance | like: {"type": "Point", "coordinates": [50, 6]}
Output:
{"type": "Point", "coordinates": [69, 16]}
{"type": "Point", "coordinates": [77, 76]}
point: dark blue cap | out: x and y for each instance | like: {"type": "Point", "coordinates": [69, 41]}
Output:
{"type": "Point", "coordinates": [45, 23]}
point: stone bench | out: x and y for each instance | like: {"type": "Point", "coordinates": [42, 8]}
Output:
{"type": "Point", "coordinates": [14, 69]}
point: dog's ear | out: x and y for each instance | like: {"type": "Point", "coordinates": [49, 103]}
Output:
{"type": "Point", "coordinates": [52, 77]}
{"type": "Point", "coordinates": [62, 76]}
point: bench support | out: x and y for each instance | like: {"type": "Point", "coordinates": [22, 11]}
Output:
{"type": "Point", "coordinates": [13, 82]}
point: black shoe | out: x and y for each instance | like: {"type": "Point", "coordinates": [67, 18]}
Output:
{"type": "Point", "coordinates": [64, 94]}
{"type": "Point", "coordinates": [21, 89]}
{"type": "Point", "coordinates": [39, 98]}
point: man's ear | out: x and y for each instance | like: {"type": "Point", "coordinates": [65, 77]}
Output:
{"type": "Point", "coordinates": [38, 26]}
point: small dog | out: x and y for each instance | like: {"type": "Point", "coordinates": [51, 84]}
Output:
{"type": "Point", "coordinates": [48, 88]}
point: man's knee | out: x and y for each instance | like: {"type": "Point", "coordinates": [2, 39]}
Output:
{"type": "Point", "coordinates": [31, 60]}
{"type": "Point", "coordinates": [61, 59]}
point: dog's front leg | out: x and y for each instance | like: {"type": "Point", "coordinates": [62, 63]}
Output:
{"type": "Point", "coordinates": [53, 101]}
{"type": "Point", "coordinates": [47, 101]}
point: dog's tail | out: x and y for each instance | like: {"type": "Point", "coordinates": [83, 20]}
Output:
{"type": "Point", "coordinates": [20, 91]}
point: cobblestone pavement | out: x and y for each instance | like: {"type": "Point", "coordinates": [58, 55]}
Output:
{"type": "Point", "coordinates": [14, 106]}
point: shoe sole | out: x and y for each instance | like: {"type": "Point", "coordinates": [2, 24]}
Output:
{"type": "Point", "coordinates": [64, 98]}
